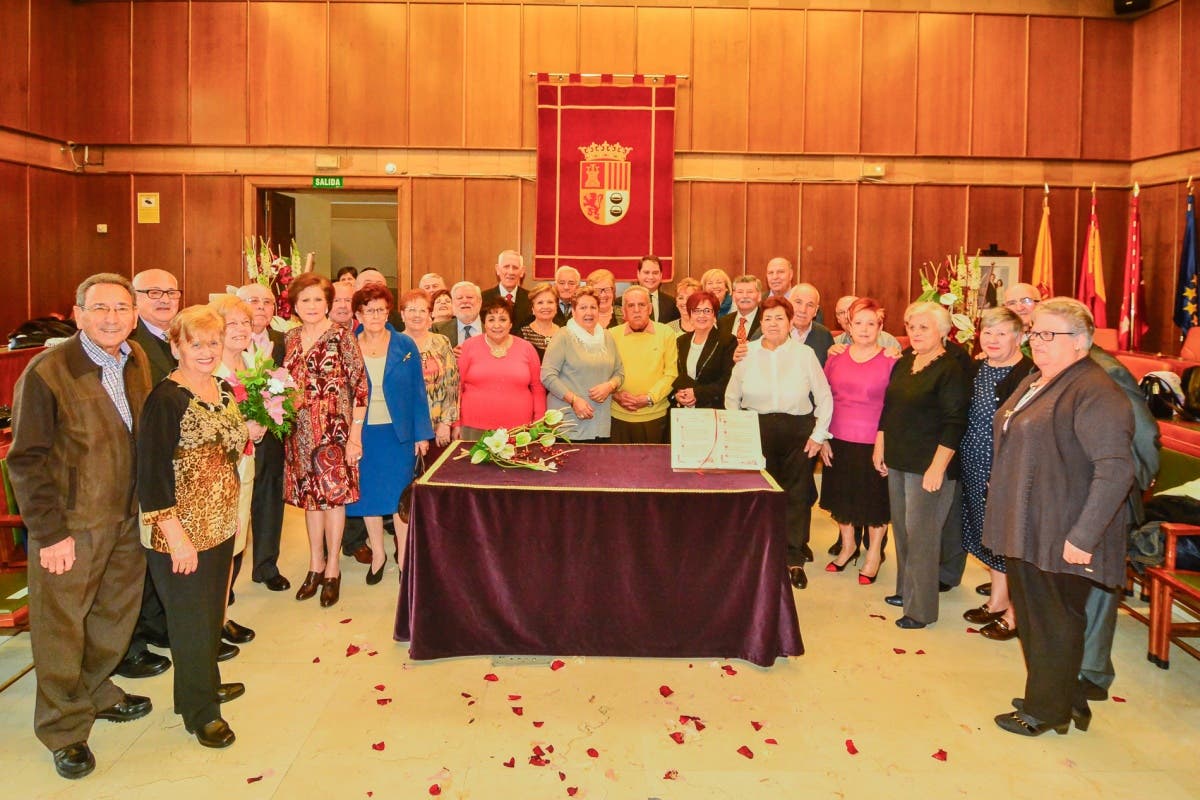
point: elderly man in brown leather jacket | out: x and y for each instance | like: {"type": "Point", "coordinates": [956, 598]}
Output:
{"type": "Point", "coordinates": [73, 470]}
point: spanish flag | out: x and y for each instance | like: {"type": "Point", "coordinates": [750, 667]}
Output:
{"type": "Point", "coordinates": [1043, 256]}
{"type": "Point", "coordinates": [1091, 271]}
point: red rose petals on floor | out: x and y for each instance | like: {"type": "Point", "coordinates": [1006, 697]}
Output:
{"type": "Point", "coordinates": [492, 677]}
{"type": "Point", "coordinates": [666, 691]}
{"type": "Point", "coordinates": [940, 755]}
{"type": "Point", "coordinates": [677, 736]}
{"type": "Point", "coordinates": [557, 664]}
{"type": "Point", "coordinates": [593, 752]}
{"type": "Point", "coordinates": [378, 747]}
{"type": "Point", "coordinates": [352, 649]}
{"type": "Point", "coordinates": [850, 748]}
{"type": "Point", "coordinates": [746, 751]}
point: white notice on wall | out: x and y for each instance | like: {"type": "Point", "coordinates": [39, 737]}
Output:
{"type": "Point", "coordinates": [715, 440]}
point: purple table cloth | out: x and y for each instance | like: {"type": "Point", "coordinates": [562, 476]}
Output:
{"type": "Point", "coordinates": [614, 555]}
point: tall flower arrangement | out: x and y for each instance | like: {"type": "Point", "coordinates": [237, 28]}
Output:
{"type": "Point", "coordinates": [276, 272]}
{"type": "Point", "coordinates": [954, 284]}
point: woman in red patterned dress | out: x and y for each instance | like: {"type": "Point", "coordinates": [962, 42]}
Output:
{"type": "Point", "coordinates": [321, 456]}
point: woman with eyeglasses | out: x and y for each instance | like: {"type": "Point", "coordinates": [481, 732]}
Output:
{"type": "Point", "coordinates": [604, 288]}
{"type": "Point", "coordinates": [705, 356]}
{"type": "Point", "coordinates": [397, 428]}
{"type": "Point", "coordinates": [1062, 470]}
{"type": "Point", "coordinates": [438, 365]}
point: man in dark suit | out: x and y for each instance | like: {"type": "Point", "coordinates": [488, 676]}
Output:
{"type": "Point", "coordinates": [806, 302]}
{"type": "Point", "coordinates": [266, 501]}
{"type": "Point", "coordinates": [566, 283]}
{"type": "Point", "coordinates": [662, 305]}
{"type": "Point", "coordinates": [510, 271]}
{"type": "Point", "coordinates": [467, 301]}
{"type": "Point", "coordinates": [156, 297]}
{"type": "Point", "coordinates": [744, 323]}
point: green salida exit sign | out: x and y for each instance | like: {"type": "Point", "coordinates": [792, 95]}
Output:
{"type": "Point", "coordinates": [327, 182]}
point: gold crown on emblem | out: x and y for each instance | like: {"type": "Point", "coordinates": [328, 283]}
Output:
{"type": "Point", "coordinates": [605, 152]}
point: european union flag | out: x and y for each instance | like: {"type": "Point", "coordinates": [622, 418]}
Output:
{"type": "Point", "coordinates": [1185, 301]}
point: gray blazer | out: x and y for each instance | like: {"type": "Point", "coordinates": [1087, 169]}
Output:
{"type": "Point", "coordinates": [1061, 472]}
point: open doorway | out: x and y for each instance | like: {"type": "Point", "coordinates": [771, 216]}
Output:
{"type": "Point", "coordinates": [355, 228]}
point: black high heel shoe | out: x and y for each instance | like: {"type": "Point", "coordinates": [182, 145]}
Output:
{"type": "Point", "coordinates": [833, 566]}
{"type": "Point", "coordinates": [375, 576]}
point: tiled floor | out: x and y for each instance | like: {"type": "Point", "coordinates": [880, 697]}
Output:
{"type": "Point", "coordinates": [321, 729]}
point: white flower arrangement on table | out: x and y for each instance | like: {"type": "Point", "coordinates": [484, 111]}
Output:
{"type": "Point", "coordinates": [529, 446]}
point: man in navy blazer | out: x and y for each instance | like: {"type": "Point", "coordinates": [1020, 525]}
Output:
{"type": "Point", "coordinates": [747, 292]}
{"type": "Point", "coordinates": [510, 271]}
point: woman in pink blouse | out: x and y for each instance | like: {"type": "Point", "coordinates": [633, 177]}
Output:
{"type": "Point", "coordinates": [500, 382]}
{"type": "Point", "coordinates": [852, 491]}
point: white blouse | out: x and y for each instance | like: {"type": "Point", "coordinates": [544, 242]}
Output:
{"type": "Point", "coordinates": [786, 380]}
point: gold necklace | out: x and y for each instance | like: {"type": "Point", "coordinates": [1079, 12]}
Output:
{"type": "Point", "coordinates": [499, 351]}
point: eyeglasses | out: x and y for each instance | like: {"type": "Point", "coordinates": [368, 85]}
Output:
{"type": "Point", "coordinates": [1048, 336]}
{"type": "Point", "coordinates": [261, 301]}
{"type": "Point", "coordinates": [1023, 301]}
{"type": "Point", "coordinates": [415, 310]}
{"type": "Point", "coordinates": [373, 312]}
{"type": "Point", "coordinates": [702, 312]}
{"type": "Point", "coordinates": [103, 309]}
{"type": "Point", "coordinates": [159, 294]}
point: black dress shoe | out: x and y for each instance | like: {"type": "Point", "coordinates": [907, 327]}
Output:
{"type": "Point", "coordinates": [1022, 724]}
{"type": "Point", "coordinates": [131, 707]}
{"type": "Point", "coordinates": [944, 587]}
{"type": "Point", "coordinates": [277, 583]}
{"type": "Point", "coordinates": [227, 651]}
{"type": "Point", "coordinates": [213, 734]}
{"type": "Point", "coordinates": [1082, 717]}
{"type": "Point", "coordinates": [237, 634]}
{"type": "Point", "coordinates": [158, 641]}
{"type": "Point", "coordinates": [74, 761]}
{"type": "Point", "coordinates": [797, 577]}
{"type": "Point", "coordinates": [230, 691]}
{"type": "Point", "coordinates": [894, 600]}
{"type": "Point", "coordinates": [984, 589]}
{"type": "Point", "coordinates": [1093, 691]}
{"type": "Point", "coordinates": [908, 623]}
{"type": "Point", "coordinates": [144, 665]}
{"type": "Point", "coordinates": [806, 553]}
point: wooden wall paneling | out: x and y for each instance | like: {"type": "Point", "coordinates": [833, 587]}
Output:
{"type": "Point", "coordinates": [491, 223]}
{"type": "Point", "coordinates": [607, 38]}
{"type": "Point", "coordinates": [55, 266]}
{"type": "Point", "coordinates": [14, 65]}
{"type": "Point", "coordinates": [1107, 88]}
{"type": "Point", "coordinates": [106, 199]}
{"type": "Point", "coordinates": [720, 79]}
{"type": "Point", "coordinates": [101, 43]}
{"type": "Point", "coordinates": [51, 76]}
{"type": "Point", "coordinates": [368, 74]}
{"type": "Point", "coordinates": [682, 246]}
{"type": "Point", "coordinates": [772, 225]}
{"type": "Point", "coordinates": [159, 245]}
{"type": "Point", "coordinates": [1156, 83]}
{"type": "Point", "coordinates": [832, 77]}
{"type": "Point", "coordinates": [549, 43]}
{"type": "Point", "coordinates": [998, 86]}
{"type": "Point", "coordinates": [776, 107]}
{"type": "Point", "coordinates": [1162, 209]}
{"type": "Point", "coordinates": [435, 85]}
{"type": "Point", "coordinates": [493, 76]}
{"type": "Point", "coordinates": [217, 50]}
{"type": "Point", "coordinates": [1055, 86]}
{"type": "Point", "coordinates": [827, 237]}
{"type": "Point", "coordinates": [939, 228]}
{"type": "Point", "coordinates": [529, 229]}
{"type": "Point", "coordinates": [160, 73]}
{"type": "Point", "coordinates": [1063, 217]}
{"type": "Point", "coordinates": [14, 244]}
{"type": "Point", "coordinates": [994, 217]}
{"type": "Point", "coordinates": [889, 83]}
{"type": "Point", "coordinates": [288, 66]}
{"type": "Point", "coordinates": [437, 227]}
{"type": "Point", "coordinates": [943, 84]}
{"type": "Point", "coordinates": [404, 266]}
{"type": "Point", "coordinates": [1189, 123]}
{"type": "Point", "coordinates": [664, 45]}
{"type": "Point", "coordinates": [717, 235]}
{"type": "Point", "coordinates": [884, 234]}
{"type": "Point", "coordinates": [213, 236]}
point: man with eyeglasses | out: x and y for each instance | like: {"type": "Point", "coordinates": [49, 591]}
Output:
{"type": "Point", "coordinates": [73, 468]}
{"type": "Point", "coordinates": [1022, 299]}
{"type": "Point", "coordinates": [156, 293]}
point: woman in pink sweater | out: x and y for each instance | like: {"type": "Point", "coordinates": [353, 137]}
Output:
{"type": "Point", "coordinates": [500, 382]}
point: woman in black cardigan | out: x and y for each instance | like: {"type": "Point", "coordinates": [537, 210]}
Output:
{"type": "Point", "coordinates": [705, 356]}
{"type": "Point", "coordinates": [992, 380]}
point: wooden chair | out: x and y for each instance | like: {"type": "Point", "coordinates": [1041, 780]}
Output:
{"type": "Point", "coordinates": [1171, 587]}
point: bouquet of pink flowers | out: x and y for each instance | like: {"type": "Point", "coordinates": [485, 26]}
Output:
{"type": "Point", "coordinates": [266, 394]}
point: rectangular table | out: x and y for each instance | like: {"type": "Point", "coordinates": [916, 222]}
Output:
{"type": "Point", "coordinates": [614, 555]}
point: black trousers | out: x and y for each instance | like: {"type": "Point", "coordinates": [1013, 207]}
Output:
{"type": "Point", "coordinates": [151, 620]}
{"type": "Point", "coordinates": [266, 508]}
{"type": "Point", "coordinates": [1051, 616]}
{"type": "Point", "coordinates": [783, 437]}
{"type": "Point", "coordinates": [195, 606]}
{"type": "Point", "coordinates": [651, 431]}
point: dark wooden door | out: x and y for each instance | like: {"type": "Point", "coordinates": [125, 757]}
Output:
{"type": "Point", "coordinates": [278, 220]}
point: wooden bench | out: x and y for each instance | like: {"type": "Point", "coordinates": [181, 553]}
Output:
{"type": "Point", "coordinates": [1172, 588]}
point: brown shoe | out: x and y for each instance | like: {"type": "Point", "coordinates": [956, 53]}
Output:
{"type": "Point", "coordinates": [982, 615]}
{"type": "Point", "coordinates": [998, 630]}
{"type": "Point", "coordinates": [330, 590]}
{"type": "Point", "coordinates": [312, 582]}
{"type": "Point", "coordinates": [363, 554]}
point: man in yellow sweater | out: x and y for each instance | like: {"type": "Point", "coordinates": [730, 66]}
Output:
{"type": "Point", "coordinates": [647, 348]}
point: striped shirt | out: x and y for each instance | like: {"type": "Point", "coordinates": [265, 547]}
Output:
{"type": "Point", "coordinates": [112, 374]}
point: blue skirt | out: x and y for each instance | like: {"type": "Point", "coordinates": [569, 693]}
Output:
{"type": "Point", "coordinates": [386, 468]}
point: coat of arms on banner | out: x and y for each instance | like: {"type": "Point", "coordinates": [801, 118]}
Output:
{"type": "Point", "coordinates": [604, 182]}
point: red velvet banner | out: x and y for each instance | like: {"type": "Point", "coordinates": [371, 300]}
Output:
{"type": "Point", "coordinates": [605, 176]}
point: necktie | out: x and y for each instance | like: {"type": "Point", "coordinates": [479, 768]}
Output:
{"type": "Point", "coordinates": [468, 331]}
{"type": "Point", "coordinates": [741, 331]}
{"type": "Point", "coordinates": [509, 297]}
